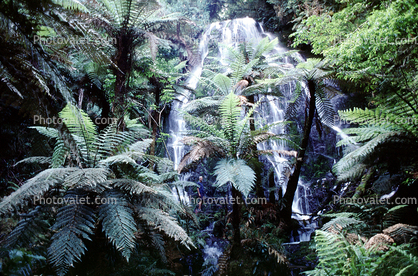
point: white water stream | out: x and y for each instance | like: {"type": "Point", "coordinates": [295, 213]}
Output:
{"type": "Point", "coordinates": [232, 33]}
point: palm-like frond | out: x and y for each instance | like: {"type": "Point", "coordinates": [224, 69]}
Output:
{"type": "Point", "coordinates": [202, 148]}
{"type": "Point", "coordinates": [72, 5]}
{"type": "Point", "coordinates": [129, 13]}
{"type": "Point", "coordinates": [86, 179]}
{"type": "Point", "coordinates": [131, 186]}
{"type": "Point", "coordinates": [236, 172]}
{"type": "Point", "coordinates": [34, 187]}
{"type": "Point", "coordinates": [118, 222]}
{"type": "Point", "coordinates": [230, 113]}
{"type": "Point", "coordinates": [80, 125]}
{"type": "Point", "coordinates": [324, 107]}
{"type": "Point", "coordinates": [360, 154]}
{"type": "Point", "coordinates": [204, 128]}
{"type": "Point", "coordinates": [74, 224]}
{"type": "Point", "coordinates": [377, 128]}
{"type": "Point", "coordinates": [36, 160]}
{"type": "Point", "coordinates": [27, 228]}
{"type": "Point", "coordinates": [111, 142]}
{"type": "Point", "coordinates": [161, 221]}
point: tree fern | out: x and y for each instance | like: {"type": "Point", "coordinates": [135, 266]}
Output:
{"type": "Point", "coordinates": [114, 169]}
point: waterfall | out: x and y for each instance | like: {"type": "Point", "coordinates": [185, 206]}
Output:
{"type": "Point", "coordinates": [232, 33]}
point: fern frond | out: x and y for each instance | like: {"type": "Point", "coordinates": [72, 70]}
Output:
{"type": "Point", "coordinates": [27, 228]}
{"type": "Point", "coordinates": [34, 187]}
{"type": "Point", "coordinates": [79, 124]}
{"type": "Point", "coordinates": [230, 113]}
{"type": "Point", "coordinates": [36, 160]}
{"type": "Point", "coordinates": [339, 223]}
{"type": "Point", "coordinates": [61, 152]}
{"type": "Point", "coordinates": [118, 222]}
{"type": "Point", "coordinates": [203, 105]}
{"type": "Point", "coordinates": [236, 172]}
{"type": "Point", "coordinates": [72, 5]}
{"type": "Point", "coordinates": [223, 83]}
{"type": "Point", "coordinates": [74, 224]}
{"type": "Point", "coordinates": [131, 186]}
{"type": "Point", "coordinates": [86, 179]}
{"type": "Point", "coordinates": [332, 252]}
{"type": "Point", "coordinates": [47, 131]}
{"type": "Point", "coordinates": [264, 46]}
{"type": "Point", "coordinates": [201, 148]}
{"type": "Point", "coordinates": [163, 222]}
{"type": "Point", "coordinates": [361, 153]}
{"type": "Point", "coordinates": [158, 243]}
{"type": "Point", "coordinates": [324, 108]}
{"type": "Point", "coordinates": [202, 125]}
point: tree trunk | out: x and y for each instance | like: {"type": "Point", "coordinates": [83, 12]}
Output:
{"type": "Point", "coordinates": [123, 60]}
{"type": "Point", "coordinates": [292, 184]}
{"type": "Point", "coordinates": [272, 185]}
{"type": "Point", "coordinates": [236, 195]}
{"type": "Point", "coordinates": [256, 164]}
{"type": "Point", "coordinates": [154, 115]}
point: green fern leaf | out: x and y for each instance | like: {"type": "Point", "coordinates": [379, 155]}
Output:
{"type": "Point", "coordinates": [75, 223]}
{"type": "Point", "coordinates": [118, 222]}
{"type": "Point", "coordinates": [34, 187]}
{"type": "Point", "coordinates": [236, 172]}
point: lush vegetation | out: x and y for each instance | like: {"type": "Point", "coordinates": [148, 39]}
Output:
{"type": "Point", "coordinates": [88, 182]}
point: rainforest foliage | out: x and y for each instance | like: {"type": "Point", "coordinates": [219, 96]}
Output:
{"type": "Point", "coordinates": [88, 182]}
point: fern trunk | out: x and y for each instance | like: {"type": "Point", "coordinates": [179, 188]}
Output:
{"type": "Point", "coordinates": [123, 60]}
{"type": "Point", "coordinates": [154, 115]}
{"type": "Point", "coordinates": [236, 218]}
{"type": "Point", "coordinates": [361, 188]}
{"type": "Point", "coordinates": [292, 184]}
{"type": "Point", "coordinates": [257, 165]}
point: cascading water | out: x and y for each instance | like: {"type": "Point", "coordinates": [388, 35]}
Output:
{"type": "Point", "coordinates": [272, 111]}
{"type": "Point", "coordinates": [232, 33]}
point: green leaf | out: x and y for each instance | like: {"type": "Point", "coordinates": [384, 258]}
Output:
{"type": "Point", "coordinates": [236, 172]}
